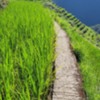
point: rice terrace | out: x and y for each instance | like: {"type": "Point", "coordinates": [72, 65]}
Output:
{"type": "Point", "coordinates": [46, 53]}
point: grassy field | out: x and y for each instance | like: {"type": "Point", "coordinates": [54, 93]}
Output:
{"type": "Point", "coordinates": [88, 57]}
{"type": "Point", "coordinates": [26, 51]}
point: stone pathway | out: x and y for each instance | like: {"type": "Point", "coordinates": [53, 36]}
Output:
{"type": "Point", "coordinates": [68, 84]}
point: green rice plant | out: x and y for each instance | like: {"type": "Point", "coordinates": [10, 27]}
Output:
{"type": "Point", "coordinates": [82, 27]}
{"type": "Point", "coordinates": [85, 30]}
{"type": "Point", "coordinates": [72, 18]}
{"type": "Point", "coordinates": [79, 24]}
{"type": "Point", "coordinates": [76, 23]}
{"type": "Point", "coordinates": [65, 14]}
{"type": "Point", "coordinates": [26, 51]}
{"type": "Point", "coordinates": [75, 19]}
{"type": "Point", "coordinates": [88, 57]}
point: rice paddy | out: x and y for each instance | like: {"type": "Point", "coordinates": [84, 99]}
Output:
{"type": "Point", "coordinates": [27, 43]}
{"type": "Point", "coordinates": [26, 51]}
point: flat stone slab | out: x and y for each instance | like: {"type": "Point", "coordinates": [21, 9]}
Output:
{"type": "Point", "coordinates": [68, 84]}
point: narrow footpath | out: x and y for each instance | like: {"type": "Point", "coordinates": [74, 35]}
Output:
{"type": "Point", "coordinates": [68, 84]}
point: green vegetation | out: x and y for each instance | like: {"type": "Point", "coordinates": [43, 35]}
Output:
{"type": "Point", "coordinates": [88, 57]}
{"type": "Point", "coordinates": [26, 51]}
{"type": "Point", "coordinates": [27, 42]}
{"type": "Point", "coordinates": [84, 41]}
{"type": "Point", "coordinates": [81, 28]}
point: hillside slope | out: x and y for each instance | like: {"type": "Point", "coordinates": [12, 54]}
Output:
{"type": "Point", "coordinates": [84, 41]}
{"type": "Point", "coordinates": [88, 57]}
{"type": "Point", "coordinates": [86, 32]}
